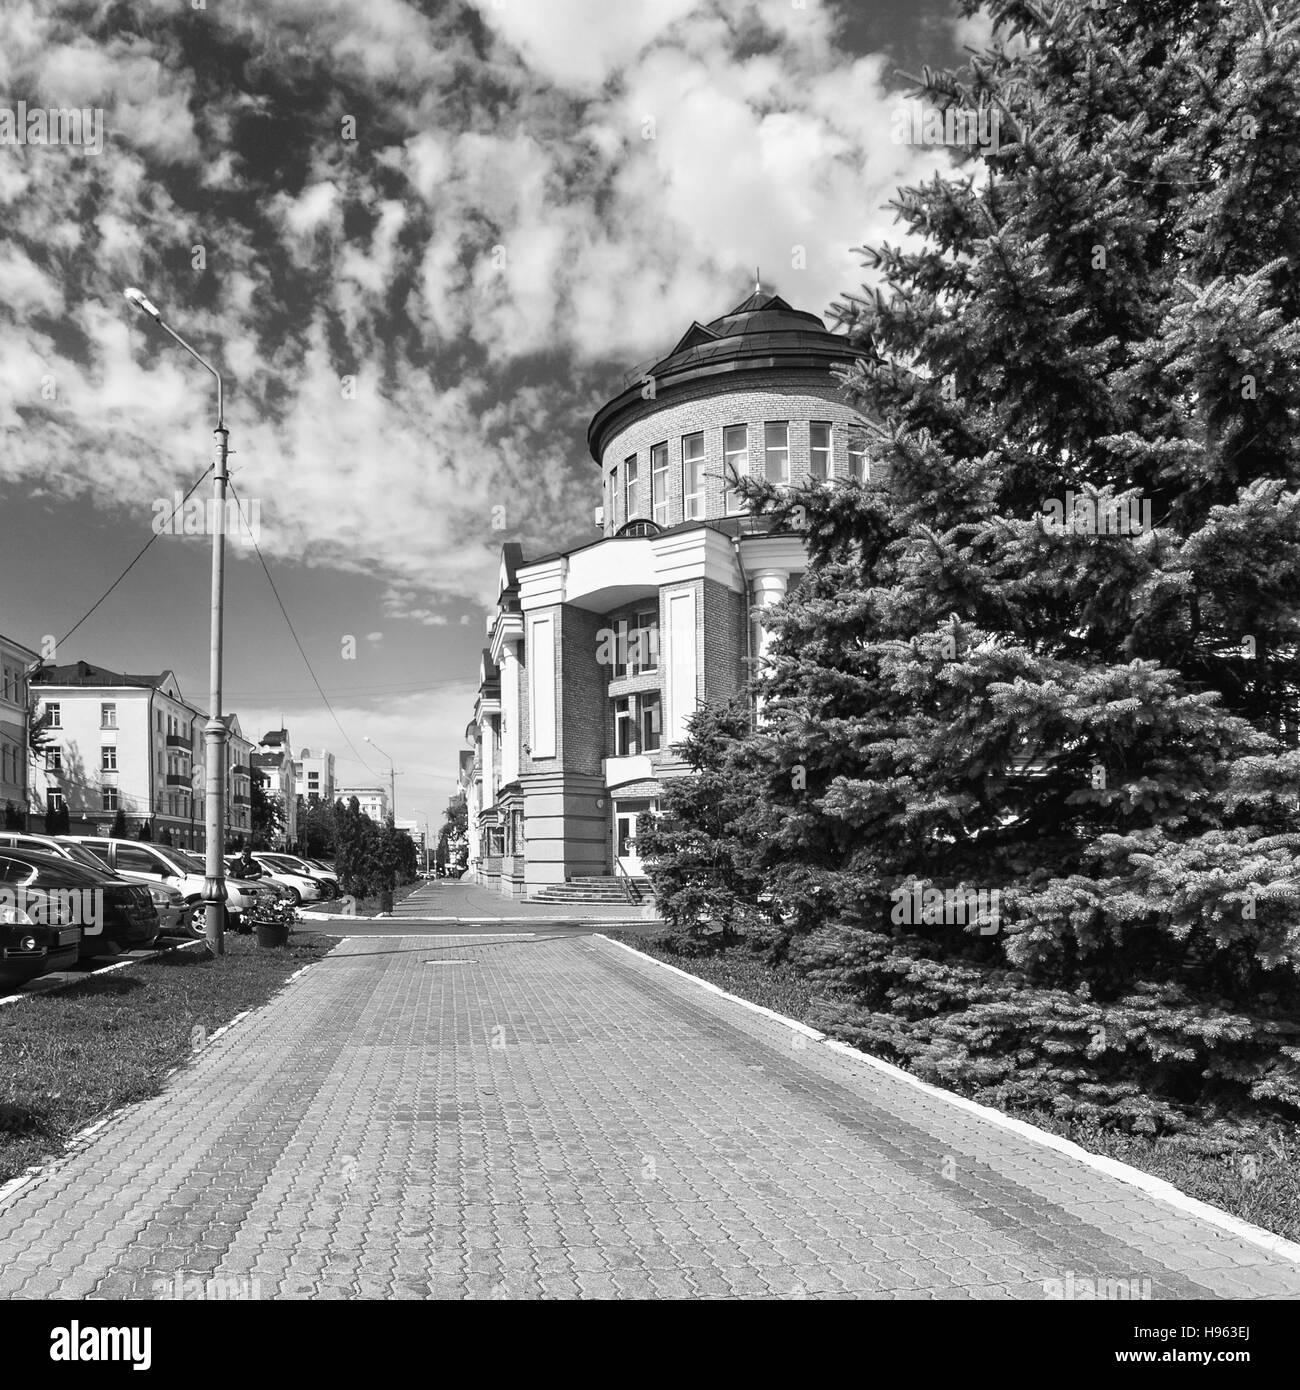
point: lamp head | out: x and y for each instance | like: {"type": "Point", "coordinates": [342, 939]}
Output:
{"type": "Point", "coordinates": [145, 305]}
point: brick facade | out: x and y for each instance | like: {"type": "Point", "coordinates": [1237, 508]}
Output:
{"type": "Point", "coordinates": [764, 363]}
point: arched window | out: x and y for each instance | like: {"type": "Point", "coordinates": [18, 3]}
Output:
{"type": "Point", "coordinates": [639, 527]}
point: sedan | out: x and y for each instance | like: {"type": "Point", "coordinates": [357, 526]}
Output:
{"type": "Point", "coordinates": [111, 914]}
{"type": "Point", "coordinates": [29, 947]}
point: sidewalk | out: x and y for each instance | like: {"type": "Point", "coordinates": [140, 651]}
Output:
{"type": "Point", "coordinates": [558, 1117]}
{"type": "Point", "coordinates": [450, 900]}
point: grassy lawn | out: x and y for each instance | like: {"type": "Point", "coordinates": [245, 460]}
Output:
{"type": "Point", "coordinates": [71, 1057]}
{"type": "Point", "coordinates": [1262, 1188]}
{"type": "Point", "coordinates": [365, 907]}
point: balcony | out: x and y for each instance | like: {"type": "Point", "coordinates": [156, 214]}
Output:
{"type": "Point", "coordinates": [239, 800]}
{"type": "Point", "coordinates": [635, 768]}
{"type": "Point", "coordinates": [177, 779]}
{"type": "Point", "coordinates": [240, 770]}
{"type": "Point", "coordinates": [179, 741]}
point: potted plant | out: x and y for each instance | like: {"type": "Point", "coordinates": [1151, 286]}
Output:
{"type": "Point", "coordinates": [273, 921]}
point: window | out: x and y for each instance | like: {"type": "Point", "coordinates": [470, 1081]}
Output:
{"type": "Point", "coordinates": [637, 648]}
{"type": "Point", "coordinates": [108, 758]}
{"type": "Point", "coordinates": [7, 679]}
{"type": "Point", "coordinates": [659, 483]}
{"type": "Point", "coordinates": [638, 724]}
{"type": "Point", "coordinates": [776, 446]}
{"type": "Point", "coordinates": [735, 459]}
{"type": "Point", "coordinates": [137, 861]}
{"type": "Point", "coordinates": [54, 760]}
{"type": "Point", "coordinates": [108, 716]}
{"type": "Point", "coordinates": [650, 720]}
{"type": "Point", "coordinates": [629, 488]}
{"type": "Point", "coordinates": [160, 762]}
{"type": "Point", "coordinates": [109, 798]}
{"type": "Point", "coordinates": [160, 721]}
{"type": "Point", "coordinates": [56, 716]}
{"type": "Point", "coordinates": [692, 476]}
{"type": "Point", "coordinates": [624, 728]}
{"type": "Point", "coordinates": [819, 450]}
{"type": "Point", "coordinates": [859, 465]}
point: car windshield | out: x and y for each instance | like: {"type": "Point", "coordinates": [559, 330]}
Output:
{"type": "Point", "coordinates": [193, 862]}
{"type": "Point", "coordinates": [53, 868]}
{"type": "Point", "coordinates": [87, 858]}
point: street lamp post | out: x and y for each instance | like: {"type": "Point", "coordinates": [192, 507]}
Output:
{"type": "Point", "coordinates": [425, 814]}
{"type": "Point", "coordinates": [392, 778]}
{"type": "Point", "coordinates": [214, 731]}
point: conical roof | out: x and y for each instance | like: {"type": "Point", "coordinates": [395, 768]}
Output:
{"type": "Point", "coordinates": [762, 332]}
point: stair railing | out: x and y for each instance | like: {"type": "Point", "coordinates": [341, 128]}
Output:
{"type": "Point", "coordinates": [630, 888]}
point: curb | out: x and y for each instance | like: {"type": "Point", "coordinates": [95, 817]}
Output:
{"type": "Point", "coordinates": [1154, 1187]}
{"type": "Point", "coordinates": [487, 921]}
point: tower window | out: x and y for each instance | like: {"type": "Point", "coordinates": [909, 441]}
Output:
{"type": "Point", "coordinates": [776, 442]}
{"type": "Point", "coordinates": [735, 458]}
{"type": "Point", "coordinates": [859, 464]}
{"type": "Point", "coordinates": [692, 476]}
{"type": "Point", "coordinates": [659, 483]}
{"type": "Point", "coordinates": [629, 488]}
{"type": "Point", "coordinates": [819, 450]}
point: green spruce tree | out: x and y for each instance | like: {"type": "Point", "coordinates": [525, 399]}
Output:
{"type": "Point", "coordinates": [1050, 652]}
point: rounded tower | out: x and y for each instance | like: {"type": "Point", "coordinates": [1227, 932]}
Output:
{"type": "Point", "coordinates": [750, 392]}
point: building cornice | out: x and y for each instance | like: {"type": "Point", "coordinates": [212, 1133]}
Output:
{"type": "Point", "coordinates": [507, 631]}
{"type": "Point", "coordinates": [813, 360]}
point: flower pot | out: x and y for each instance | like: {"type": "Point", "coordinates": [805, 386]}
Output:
{"type": "Point", "coordinates": [272, 934]}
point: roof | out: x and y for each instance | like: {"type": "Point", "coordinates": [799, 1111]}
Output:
{"type": "Point", "coordinates": [762, 332]}
{"type": "Point", "coordinates": [275, 738]}
{"type": "Point", "coordinates": [87, 673]}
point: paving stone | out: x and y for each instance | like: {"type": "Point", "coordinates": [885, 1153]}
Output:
{"type": "Point", "coordinates": [637, 1136]}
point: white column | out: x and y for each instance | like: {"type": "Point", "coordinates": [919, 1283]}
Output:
{"type": "Point", "coordinates": [509, 712]}
{"type": "Point", "coordinates": [769, 588]}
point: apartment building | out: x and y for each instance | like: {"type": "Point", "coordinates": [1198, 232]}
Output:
{"type": "Point", "coordinates": [132, 743]}
{"type": "Point", "coordinates": [315, 775]}
{"type": "Point", "coordinates": [273, 761]}
{"type": "Point", "coordinates": [15, 761]}
{"type": "Point", "coordinates": [373, 801]}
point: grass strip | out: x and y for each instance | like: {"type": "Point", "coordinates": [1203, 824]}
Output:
{"type": "Point", "coordinates": [70, 1057]}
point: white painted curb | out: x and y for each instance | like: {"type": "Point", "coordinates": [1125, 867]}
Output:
{"type": "Point", "coordinates": [1152, 1186]}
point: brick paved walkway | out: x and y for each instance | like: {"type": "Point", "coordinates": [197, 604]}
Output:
{"type": "Point", "coordinates": [556, 1117]}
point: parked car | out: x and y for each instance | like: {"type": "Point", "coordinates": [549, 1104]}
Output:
{"type": "Point", "coordinates": [261, 892]}
{"type": "Point", "coordinates": [30, 946]}
{"type": "Point", "coordinates": [305, 887]}
{"type": "Point", "coordinates": [161, 864]}
{"type": "Point", "coordinates": [296, 864]}
{"type": "Point", "coordinates": [116, 915]}
{"type": "Point", "coordinates": [174, 913]}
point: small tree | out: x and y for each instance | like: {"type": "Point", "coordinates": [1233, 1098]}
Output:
{"type": "Point", "coordinates": [165, 838]}
{"type": "Point", "coordinates": [13, 821]}
{"type": "Point", "coordinates": [119, 831]}
{"type": "Point", "coordinates": [146, 831]}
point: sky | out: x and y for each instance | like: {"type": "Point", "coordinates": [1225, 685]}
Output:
{"type": "Point", "coordinates": [424, 242]}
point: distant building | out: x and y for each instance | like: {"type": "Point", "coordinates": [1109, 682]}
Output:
{"type": "Point", "coordinates": [416, 830]}
{"type": "Point", "coordinates": [15, 781]}
{"type": "Point", "coordinates": [373, 801]}
{"type": "Point", "coordinates": [120, 742]}
{"type": "Point", "coordinates": [273, 761]}
{"type": "Point", "coordinates": [314, 773]}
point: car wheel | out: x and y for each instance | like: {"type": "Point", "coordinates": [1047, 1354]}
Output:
{"type": "Point", "coordinates": [295, 897]}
